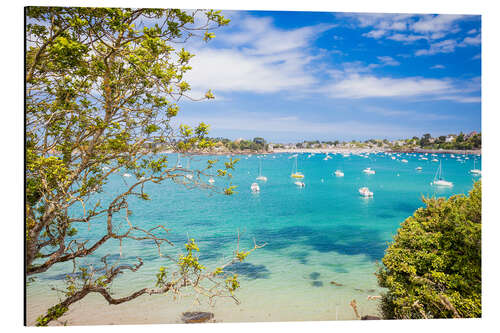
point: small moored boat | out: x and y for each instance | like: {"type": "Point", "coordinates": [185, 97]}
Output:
{"type": "Point", "coordinates": [339, 173]}
{"type": "Point", "coordinates": [365, 192]}
{"type": "Point", "coordinates": [255, 187]}
{"type": "Point", "coordinates": [369, 171]}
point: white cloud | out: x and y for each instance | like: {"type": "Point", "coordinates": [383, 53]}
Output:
{"type": "Point", "coordinates": [258, 36]}
{"type": "Point", "coordinates": [445, 46]}
{"type": "Point", "coordinates": [462, 99]}
{"type": "Point", "coordinates": [231, 70]}
{"type": "Point", "coordinates": [438, 66]}
{"type": "Point", "coordinates": [257, 57]}
{"type": "Point", "coordinates": [375, 34]}
{"type": "Point", "coordinates": [381, 21]}
{"type": "Point", "coordinates": [437, 35]}
{"type": "Point", "coordinates": [437, 23]}
{"type": "Point", "coordinates": [433, 26]}
{"type": "Point", "coordinates": [356, 67]}
{"type": "Point", "coordinates": [358, 86]}
{"type": "Point", "coordinates": [474, 41]}
{"type": "Point", "coordinates": [388, 61]}
{"type": "Point", "coordinates": [477, 56]}
{"type": "Point", "coordinates": [412, 28]}
{"type": "Point", "coordinates": [449, 45]}
{"type": "Point", "coordinates": [406, 38]}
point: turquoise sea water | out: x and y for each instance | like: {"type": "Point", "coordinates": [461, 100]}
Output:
{"type": "Point", "coordinates": [320, 233]}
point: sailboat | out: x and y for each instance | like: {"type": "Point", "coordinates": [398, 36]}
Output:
{"type": "Point", "coordinates": [189, 175]}
{"type": "Point", "coordinates": [262, 178]}
{"type": "Point", "coordinates": [179, 165]}
{"type": "Point", "coordinates": [475, 172]}
{"type": "Point", "coordinates": [438, 180]}
{"type": "Point", "coordinates": [296, 174]}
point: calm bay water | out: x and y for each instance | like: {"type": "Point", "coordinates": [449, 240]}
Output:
{"type": "Point", "coordinates": [320, 233]}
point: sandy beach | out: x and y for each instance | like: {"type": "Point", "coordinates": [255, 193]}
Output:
{"type": "Point", "coordinates": [160, 309]}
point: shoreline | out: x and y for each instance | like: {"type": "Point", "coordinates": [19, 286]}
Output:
{"type": "Point", "coordinates": [331, 151]}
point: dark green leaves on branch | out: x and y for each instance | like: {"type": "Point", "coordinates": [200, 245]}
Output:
{"type": "Point", "coordinates": [433, 267]}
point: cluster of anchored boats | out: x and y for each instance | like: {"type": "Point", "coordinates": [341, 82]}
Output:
{"type": "Point", "coordinates": [363, 191]}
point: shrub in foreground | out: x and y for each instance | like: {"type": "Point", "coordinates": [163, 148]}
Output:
{"type": "Point", "coordinates": [432, 269]}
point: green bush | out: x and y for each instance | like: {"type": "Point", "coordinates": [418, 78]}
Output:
{"type": "Point", "coordinates": [432, 269]}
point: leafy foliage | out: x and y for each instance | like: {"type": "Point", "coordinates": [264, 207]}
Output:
{"type": "Point", "coordinates": [102, 87]}
{"type": "Point", "coordinates": [432, 269]}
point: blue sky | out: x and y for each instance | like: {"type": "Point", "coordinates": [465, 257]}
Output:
{"type": "Point", "coordinates": [292, 76]}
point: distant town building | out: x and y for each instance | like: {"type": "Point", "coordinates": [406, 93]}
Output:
{"type": "Point", "coordinates": [471, 134]}
{"type": "Point", "coordinates": [450, 138]}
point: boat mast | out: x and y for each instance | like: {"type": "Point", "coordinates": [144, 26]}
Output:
{"type": "Point", "coordinates": [437, 172]}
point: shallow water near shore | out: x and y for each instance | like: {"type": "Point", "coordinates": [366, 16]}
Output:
{"type": "Point", "coordinates": [321, 233]}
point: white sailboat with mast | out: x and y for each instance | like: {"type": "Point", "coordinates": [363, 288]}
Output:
{"type": "Point", "coordinates": [295, 170]}
{"type": "Point", "coordinates": [438, 180]}
{"type": "Point", "coordinates": [475, 172]}
{"type": "Point", "coordinates": [189, 175]}
{"type": "Point", "coordinates": [260, 177]}
{"type": "Point", "coordinates": [179, 165]}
